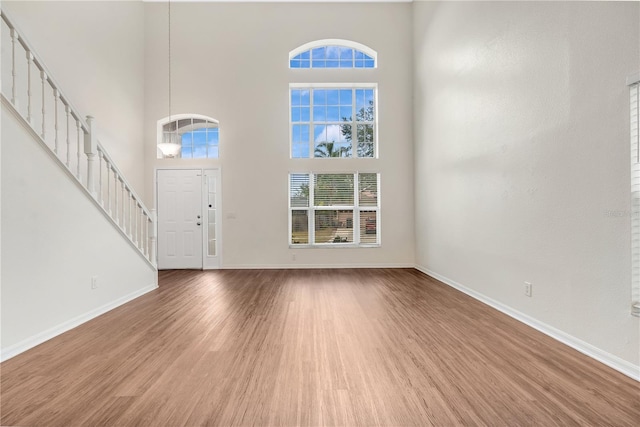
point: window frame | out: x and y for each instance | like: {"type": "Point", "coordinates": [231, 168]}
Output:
{"type": "Point", "coordinates": [354, 123]}
{"type": "Point", "coordinates": [356, 208]}
{"type": "Point", "coordinates": [176, 118]}
{"type": "Point", "coordinates": [633, 83]}
{"type": "Point", "coordinates": [338, 43]}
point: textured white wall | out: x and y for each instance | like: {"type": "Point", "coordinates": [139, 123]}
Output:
{"type": "Point", "coordinates": [95, 51]}
{"type": "Point", "coordinates": [521, 129]}
{"type": "Point", "coordinates": [54, 240]}
{"type": "Point", "coordinates": [230, 62]}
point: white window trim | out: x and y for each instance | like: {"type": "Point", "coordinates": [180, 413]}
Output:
{"type": "Point", "coordinates": [311, 208]}
{"type": "Point", "coordinates": [633, 82]}
{"type": "Point", "coordinates": [336, 42]}
{"type": "Point", "coordinates": [354, 142]}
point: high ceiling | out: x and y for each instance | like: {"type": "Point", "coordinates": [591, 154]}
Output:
{"type": "Point", "coordinates": [250, 1]}
{"type": "Point", "coordinates": [283, 1]}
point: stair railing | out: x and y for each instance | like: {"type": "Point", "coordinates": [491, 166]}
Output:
{"type": "Point", "coordinates": [36, 97]}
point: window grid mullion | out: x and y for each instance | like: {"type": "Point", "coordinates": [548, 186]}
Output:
{"type": "Point", "coordinates": [354, 126]}
{"type": "Point", "coordinates": [356, 209]}
{"type": "Point", "coordinates": [291, 133]}
{"type": "Point", "coordinates": [193, 145]}
{"type": "Point", "coordinates": [377, 192]}
{"type": "Point", "coordinates": [290, 216]}
{"type": "Point", "coordinates": [377, 201]}
{"type": "Point", "coordinates": [193, 142]}
{"type": "Point", "coordinates": [312, 130]}
{"type": "Point", "coordinates": [377, 227]}
{"type": "Point", "coordinates": [206, 139]}
{"type": "Point", "coordinates": [312, 212]}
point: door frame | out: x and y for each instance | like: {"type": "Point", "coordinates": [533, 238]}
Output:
{"type": "Point", "coordinates": [203, 196]}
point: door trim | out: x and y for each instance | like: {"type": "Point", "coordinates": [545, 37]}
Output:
{"type": "Point", "coordinates": [218, 210]}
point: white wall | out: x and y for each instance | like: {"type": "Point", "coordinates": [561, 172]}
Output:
{"type": "Point", "coordinates": [54, 239]}
{"type": "Point", "coordinates": [95, 51]}
{"type": "Point", "coordinates": [230, 62]}
{"type": "Point", "coordinates": [521, 129]}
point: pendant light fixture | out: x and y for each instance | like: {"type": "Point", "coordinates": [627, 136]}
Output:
{"type": "Point", "coordinates": [170, 145]}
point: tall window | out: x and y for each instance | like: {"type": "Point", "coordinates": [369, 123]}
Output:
{"type": "Point", "coordinates": [189, 137]}
{"type": "Point", "coordinates": [332, 53]}
{"type": "Point", "coordinates": [328, 209]}
{"type": "Point", "coordinates": [332, 121]}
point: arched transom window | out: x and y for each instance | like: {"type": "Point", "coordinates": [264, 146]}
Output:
{"type": "Point", "coordinates": [333, 53]}
{"type": "Point", "coordinates": [188, 136]}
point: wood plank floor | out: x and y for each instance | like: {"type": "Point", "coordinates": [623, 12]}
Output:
{"type": "Point", "coordinates": [309, 348]}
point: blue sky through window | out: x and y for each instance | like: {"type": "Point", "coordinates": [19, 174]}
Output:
{"type": "Point", "coordinates": [323, 122]}
{"type": "Point", "coordinates": [201, 143]}
{"type": "Point", "coordinates": [332, 57]}
{"type": "Point", "coordinates": [300, 118]}
{"type": "Point", "coordinates": [364, 98]}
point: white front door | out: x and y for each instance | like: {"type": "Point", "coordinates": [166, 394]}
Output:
{"type": "Point", "coordinates": [180, 222]}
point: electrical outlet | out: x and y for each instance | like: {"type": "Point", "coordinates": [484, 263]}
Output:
{"type": "Point", "coordinates": [293, 257]}
{"type": "Point", "coordinates": [528, 289]}
{"type": "Point", "coordinates": [94, 282]}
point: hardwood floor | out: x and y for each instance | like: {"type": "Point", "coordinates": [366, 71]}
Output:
{"type": "Point", "coordinates": [310, 347]}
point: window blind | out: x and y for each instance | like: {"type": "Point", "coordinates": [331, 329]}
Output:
{"type": "Point", "coordinates": [299, 190]}
{"type": "Point", "coordinates": [333, 190]}
{"type": "Point", "coordinates": [334, 209]}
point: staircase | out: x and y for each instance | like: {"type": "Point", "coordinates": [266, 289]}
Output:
{"type": "Point", "coordinates": [34, 97]}
{"type": "Point", "coordinates": [77, 241]}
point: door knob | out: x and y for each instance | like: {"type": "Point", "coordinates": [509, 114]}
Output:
{"type": "Point", "coordinates": [197, 223]}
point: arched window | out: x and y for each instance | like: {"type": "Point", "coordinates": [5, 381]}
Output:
{"type": "Point", "coordinates": [188, 136]}
{"type": "Point", "coordinates": [333, 53]}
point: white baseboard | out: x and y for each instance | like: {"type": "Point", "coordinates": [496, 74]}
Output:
{"type": "Point", "coordinates": [310, 266]}
{"type": "Point", "coordinates": [620, 365]}
{"type": "Point", "coordinates": [24, 345]}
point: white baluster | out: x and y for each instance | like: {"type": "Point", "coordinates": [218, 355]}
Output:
{"type": "Point", "coordinates": [56, 99]}
{"type": "Point", "coordinates": [66, 109]}
{"type": "Point", "coordinates": [139, 225]}
{"type": "Point", "coordinates": [129, 196]}
{"type": "Point", "coordinates": [142, 222]}
{"type": "Point", "coordinates": [145, 235]}
{"type": "Point", "coordinates": [14, 72]}
{"type": "Point", "coordinates": [143, 231]}
{"type": "Point", "coordinates": [153, 232]}
{"type": "Point", "coordinates": [124, 206]}
{"type": "Point", "coordinates": [141, 239]}
{"type": "Point", "coordinates": [108, 165]}
{"type": "Point", "coordinates": [90, 149]}
{"type": "Point", "coordinates": [100, 195]}
{"type": "Point", "coordinates": [43, 78]}
{"type": "Point", "coordinates": [29, 63]}
{"type": "Point", "coordinates": [135, 221]}
{"type": "Point", "coordinates": [78, 130]}
{"type": "Point", "coordinates": [115, 197]}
